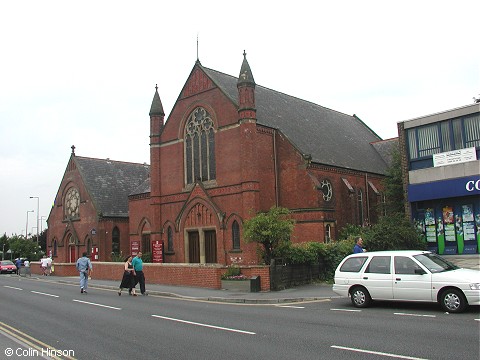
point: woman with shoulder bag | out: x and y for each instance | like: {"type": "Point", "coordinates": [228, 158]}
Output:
{"type": "Point", "coordinates": [128, 279]}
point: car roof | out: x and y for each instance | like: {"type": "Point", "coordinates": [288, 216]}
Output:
{"type": "Point", "coordinates": [391, 252]}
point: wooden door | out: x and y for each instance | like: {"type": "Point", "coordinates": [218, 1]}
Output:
{"type": "Point", "coordinates": [193, 247]}
{"type": "Point", "coordinates": [210, 247]}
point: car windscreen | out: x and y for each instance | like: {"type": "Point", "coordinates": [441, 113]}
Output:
{"type": "Point", "coordinates": [7, 263]}
{"type": "Point", "coordinates": [435, 263]}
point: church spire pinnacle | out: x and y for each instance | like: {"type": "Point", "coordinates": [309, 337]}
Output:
{"type": "Point", "coordinates": [246, 76]}
{"type": "Point", "coordinates": [157, 107]}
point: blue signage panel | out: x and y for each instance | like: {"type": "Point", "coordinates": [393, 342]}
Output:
{"type": "Point", "coordinates": [466, 186]}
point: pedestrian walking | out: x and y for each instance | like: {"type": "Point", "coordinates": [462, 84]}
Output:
{"type": "Point", "coordinates": [137, 263]}
{"type": "Point", "coordinates": [44, 265]}
{"type": "Point", "coordinates": [18, 264]}
{"type": "Point", "coordinates": [128, 279]}
{"type": "Point", "coordinates": [84, 267]}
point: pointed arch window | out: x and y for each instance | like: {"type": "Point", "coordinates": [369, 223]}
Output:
{"type": "Point", "coordinates": [360, 206]}
{"type": "Point", "coordinates": [235, 235]}
{"type": "Point", "coordinates": [89, 246]}
{"type": "Point", "coordinates": [115, 241]}
{"type": "Point", "coordinates": [55, 247]}
{"type": "Point", "coordinates": [199, 147]}
{"type": "Point", "coordinates": [169, 239]}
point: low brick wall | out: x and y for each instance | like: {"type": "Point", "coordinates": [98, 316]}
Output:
{"type": "Point", "coordinates": [196, 275]}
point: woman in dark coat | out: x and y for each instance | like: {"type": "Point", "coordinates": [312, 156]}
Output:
{"type": "Point", "coordinates": [128, 279]}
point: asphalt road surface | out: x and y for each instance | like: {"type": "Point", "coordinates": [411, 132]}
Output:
{"type": "Point", "coordinates": [54, 320]}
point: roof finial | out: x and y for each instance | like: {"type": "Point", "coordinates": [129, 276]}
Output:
{"type": "Point", "coordinates": [73, 150]}
{"type": "Point", "coordinates": [244, 54]}
{"type": "Point", "coordinates": [156, 87]}
{"type": "Point", "coordinates": [197, 46]}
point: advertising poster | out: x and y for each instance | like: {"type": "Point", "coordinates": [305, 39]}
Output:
{"type": "Point", "coordinates": [429, 217]}
{"type": "Point", "coordinates": [468, 229]}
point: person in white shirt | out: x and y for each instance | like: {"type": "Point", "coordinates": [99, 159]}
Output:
{"type": "Point", "coordinates": [43, 264]}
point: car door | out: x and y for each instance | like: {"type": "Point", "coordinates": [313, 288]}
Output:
{"type": "Point", "coordinates": [377, 277]}
{"type": "Point", "coordinates": [411, 282]}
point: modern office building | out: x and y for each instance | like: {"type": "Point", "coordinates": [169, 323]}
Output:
{"type": "Point", "coordinates": [441, 167]}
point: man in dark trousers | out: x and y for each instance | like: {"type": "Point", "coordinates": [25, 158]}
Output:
{"type": "Point", "coordinates": [137, 263]}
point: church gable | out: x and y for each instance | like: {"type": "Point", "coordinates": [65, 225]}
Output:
{"type": "Point", "coordinates": [197, 82]}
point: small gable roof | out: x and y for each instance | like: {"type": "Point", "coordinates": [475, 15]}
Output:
{"type": "Point", "coordinates": [109, 183]}
{"type": "Point", "coordinates": [330, 137]}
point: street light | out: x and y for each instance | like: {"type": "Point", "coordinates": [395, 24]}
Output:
{"type": "Point", "coordinates": [41, 222]}
{"type": "Point", "coordinates": [26, 228]}
{"type": "Point", "coordinates": [38, 214]}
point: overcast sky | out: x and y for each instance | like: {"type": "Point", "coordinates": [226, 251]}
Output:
{"type": "Point", "coordinates": [84, 73]}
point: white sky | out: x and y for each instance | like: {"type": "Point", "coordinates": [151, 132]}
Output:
{"type": "Point", "coordinates": [84, 73]}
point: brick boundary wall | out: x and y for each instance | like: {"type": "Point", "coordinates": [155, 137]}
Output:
{"type": "Point", "coordinates": [196, 275]}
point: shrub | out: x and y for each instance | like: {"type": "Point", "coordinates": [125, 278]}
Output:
{"type": "Point", "coordinates": [394, 232]}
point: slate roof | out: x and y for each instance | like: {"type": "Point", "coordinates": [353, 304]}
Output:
{"type": "Point", "coordinates": [330, 137]}
{"type": "Point", "coordinates": [385, 147]}
{"type": "Point", "coordinates": [109, 183]}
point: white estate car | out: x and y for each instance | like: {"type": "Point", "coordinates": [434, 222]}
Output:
{"type": "Point", "coordinates": [406, 275]}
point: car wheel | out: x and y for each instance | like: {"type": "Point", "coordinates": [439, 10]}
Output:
{"type": "Point", "coordinates": [360, 297]}
{"type": "Point", "coordinates": [453, 300]}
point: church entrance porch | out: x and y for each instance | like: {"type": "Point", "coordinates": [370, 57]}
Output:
{"type": "Point", "coordinates": [200, 246]}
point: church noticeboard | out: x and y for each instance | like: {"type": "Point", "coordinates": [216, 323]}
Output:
{"type": "Point", "coordinates": [157, 251]}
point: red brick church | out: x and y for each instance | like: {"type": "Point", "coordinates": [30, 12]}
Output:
{"type": "Point", "coordinates": [229, 149]}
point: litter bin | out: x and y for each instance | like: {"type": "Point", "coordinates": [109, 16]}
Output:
{"type": "Point", "coordinates": [255, 284]}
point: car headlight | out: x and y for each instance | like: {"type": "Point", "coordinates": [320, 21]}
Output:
{"type": "Point", "coordinates": [475, 286]}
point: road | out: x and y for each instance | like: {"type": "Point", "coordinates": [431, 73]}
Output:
{"type": "Point", "coordinates": [55, 317]}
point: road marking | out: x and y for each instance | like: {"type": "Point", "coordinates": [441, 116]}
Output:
{"type": "Point", "coordinates": [291, 306]}
{"type": "Point", "coordinates": [11, 287]}
{"type": "Point", "coordinates": [377, 353]}
{"type": "Point", "coordinates": [419, 315]}
{"type": "Point", "coordinates": [95, 304]}
{"type": "Point", "coordinates": [204, 325]}
{"type": "Point", "coordinates": [348, 310]}
{"type": "Point", "coordinates": [41, 293]}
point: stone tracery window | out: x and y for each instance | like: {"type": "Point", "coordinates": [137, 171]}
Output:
{"type": "Point", "coordinates": [199, 147]}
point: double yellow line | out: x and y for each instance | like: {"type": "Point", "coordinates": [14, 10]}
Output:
{"type": "Point", "coordinates": [28, 341]}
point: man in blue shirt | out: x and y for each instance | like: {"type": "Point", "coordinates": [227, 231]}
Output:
{"type": "Point", "coordinates": [358, 248]}
{"type": "Point", "coordinates": [137, 263]}
{"type": "Point", "coordinates": [84, 267]}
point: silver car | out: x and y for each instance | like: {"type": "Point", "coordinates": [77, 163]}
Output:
{"type": "Point", "coordinates": [406, 275]}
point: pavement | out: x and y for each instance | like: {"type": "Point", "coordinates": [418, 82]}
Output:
{"type": "Point", "coordinates": [302, 293]}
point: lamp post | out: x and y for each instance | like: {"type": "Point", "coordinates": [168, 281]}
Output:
{"type": "Point", "coordinates": [41, 222]}
{"type": "Point", "coordinates": [38, 209]}
{"type": "Point", "coordinates": [26, 228]}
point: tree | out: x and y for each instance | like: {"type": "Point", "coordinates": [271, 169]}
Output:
{"type": "Point", "coordinates": [393, 185]}
{"type": "Point", "coordinates": [394, 232]}
{"type": "Point", "coordinates": [24, 248]}
{"type": "Point", "coordinates": [272, 230]}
